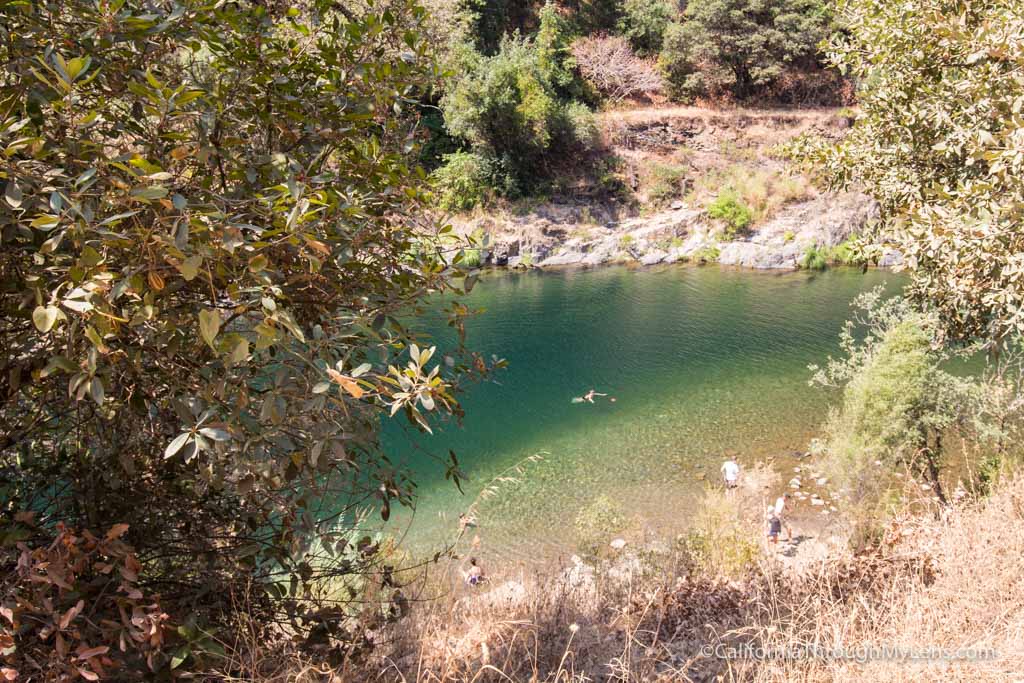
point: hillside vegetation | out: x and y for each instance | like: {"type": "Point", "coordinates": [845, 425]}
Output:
{"type": "Point", "coordinates": [516, 117]}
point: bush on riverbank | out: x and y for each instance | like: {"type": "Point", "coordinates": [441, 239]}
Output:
{"type": "Point", "coordinates": [900, 410]}
{"type": "Point", "coordinates": [463, 181]}
{"type": "Point", "coordinates": [519, 114]}
{"type": "Point", "coordinates": [846, 253]}
{"type": "Point", "coordinates": [730, 209]}
{"type": "Point", "coordinates": [723, 539]}
{"type": "Point", "coordinates": [745, 195]}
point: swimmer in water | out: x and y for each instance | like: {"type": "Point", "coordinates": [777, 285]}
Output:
{"type": "Point", "coordinates": [588, 397]}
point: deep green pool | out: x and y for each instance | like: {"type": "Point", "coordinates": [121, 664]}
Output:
{"type": "Point", "coordinates": [701, 361]}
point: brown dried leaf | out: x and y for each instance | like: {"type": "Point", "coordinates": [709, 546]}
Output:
{"type": "Point", "coordinates": [347, 383]}
{"type": "Point", "coordinates": [155, 280]}
{"type": "Point", "coordinates": [93, 651]}
{"type": "Point", "coordinates": [71, 614]}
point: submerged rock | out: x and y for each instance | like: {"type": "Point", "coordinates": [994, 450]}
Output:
{"type": "Point", "coordinates": [651, 258]}
{"type": "Point", "coordinates": [890, 258]}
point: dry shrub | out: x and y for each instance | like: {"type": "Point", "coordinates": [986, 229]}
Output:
{"type": "Point", "coordinates": [611, 67]}
{"type": "Point", "coordinates": [813, 88]}
{"type": "Point", "coordinates": [955, 582]}
{"type": "Point", "coordinates": [724, 537]}
{"type": "Point", "coordinates": [71, 608]}
{"type": "Point", "coordinates": [765, 192]}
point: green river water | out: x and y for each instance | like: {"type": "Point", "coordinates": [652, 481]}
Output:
{"type": "Point", "coordinates": [701, 362]}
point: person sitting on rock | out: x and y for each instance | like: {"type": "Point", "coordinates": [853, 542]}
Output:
{"type": "Point", "coordinates": [475, 575]}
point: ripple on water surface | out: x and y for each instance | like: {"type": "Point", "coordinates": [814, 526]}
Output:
{"type": "Point", "coordinates": [701, 361]}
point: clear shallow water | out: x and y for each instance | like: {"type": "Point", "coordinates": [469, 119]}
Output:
{"type": "Point", "coordinates": [701, 361]}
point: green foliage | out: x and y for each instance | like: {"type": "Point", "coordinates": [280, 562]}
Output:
{"type": "Point", "coordinates": [898, 405]}
{"type": "Point", "coordinates": [490, 21]}
{"type": "Point", "coordinates": [720, 541]}
{"type": "Point", "coordinates": [937, 143]}
{"type": "Point", "coordinates": [814, 258]}
{"type": "Point", "coordinates": [707, 254]}
{"type": "Point", "coordinates": [439, 143]}
{"type": "Point", "coordinates": [463, 181]}
{"type": "Point", "coordinates": [739, 47]}
{"type": "Point", "coordinates": [471, 258]}
{"type": "Point", "coordinates": [205, 245]}
{"type": "Point", "coordinates": [581, 128]}
{"type": "Point", "coordinates": [666, 183]}
{"type": "Point", "coordinates": [597, 524]}
{"type": "Point", "coordinates": [644, 23]}
{"type": "Point", "coordinates": [594, 16]}
{"type": "Point", "coordinates": [788, 236]}
{"type": "Point", "coordinates": [514, 109]}
{"type": "Point", "coordinates": [554, 56]}
{"type": "Point", "coordinates": [728, 207]}
{"type": "Point", "coordinates": [847, 113]}
{"type": "Point", "coordinates": [846, 253]}
{"type": "Point", "coordinates": [679, 70]}
{"type": "Point", "coordinates": [762, 192]}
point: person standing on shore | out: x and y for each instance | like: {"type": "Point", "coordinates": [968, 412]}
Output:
{"type": "Point", "coordinates": [731, 473]}
{"type": "Point", "coordinates": [780, 512]}
{"type": "Point", "coordinates": [774, 525]}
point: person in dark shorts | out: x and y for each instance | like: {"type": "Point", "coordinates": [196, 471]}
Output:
{"type": "Point", "coordinates": [475, 575]}
{"type": "Point", "coordinates": [774, 525]}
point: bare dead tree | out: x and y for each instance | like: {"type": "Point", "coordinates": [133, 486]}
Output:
{"type": "Point", "coordinates": [609, 65]}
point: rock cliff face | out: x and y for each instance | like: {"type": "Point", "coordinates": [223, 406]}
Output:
{"type": "Point", "coordinates": [568, 235]}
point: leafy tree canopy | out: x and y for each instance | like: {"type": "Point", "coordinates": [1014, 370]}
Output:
{"type": "Point", "coordinates": [515, 109]}
{"type": "Point", "coordinates": [739, 46]}
{"type": "Point", "coordinates": [207, 243]}
{"type": "Point", "coordinates": [939, 141]}
{"type": "Point", "coordinates": [644, 23]}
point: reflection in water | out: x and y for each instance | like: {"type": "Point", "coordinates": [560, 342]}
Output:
{"type": "Point", "coordinates": [701, 362]}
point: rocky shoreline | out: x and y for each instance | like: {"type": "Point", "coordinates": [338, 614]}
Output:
{"type": "Point", "coordinates": [558, 235]}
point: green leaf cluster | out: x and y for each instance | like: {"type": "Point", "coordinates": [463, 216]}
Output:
{"type": "Point", "coordinates": [644, 22]}
{"type": "Point", "coordinates": [899, 405]}
{"type": "Point", "coordinates": [937, 141]}
{"type": "Point", "coordinates": [740, 47]}
{"type": "Point", "coordinates": [729, 208]}
{"type": "Point", "coordinates": [205, 239]}
{"type": "Point", "coordinates": [516, 110]}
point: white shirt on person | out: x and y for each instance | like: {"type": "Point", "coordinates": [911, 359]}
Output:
{"type": "Point", "coordinates": [731, 470]}
{"type": "Point", "coordinates": [780, 505]}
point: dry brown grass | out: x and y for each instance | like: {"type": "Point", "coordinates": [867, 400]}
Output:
{"type": "Point", "coordinates": [951, 583]}
{"type": "Point", "coordinates": [954, 584]}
